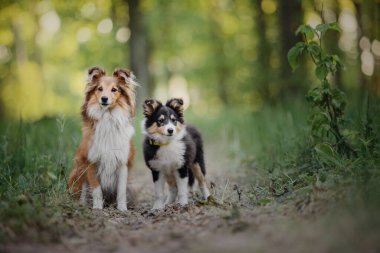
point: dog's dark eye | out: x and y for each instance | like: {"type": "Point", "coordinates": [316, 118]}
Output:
{"type": "Point", "coordinates": [161, 121]}
{"type": "Point", "coordinates": [100, 89]}
{"type": "Point", "coordinates": [174, 121]}
{"type": "Point", "coordinates": [114, 90]}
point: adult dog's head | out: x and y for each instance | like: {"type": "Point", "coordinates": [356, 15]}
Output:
{"type": "Point", "coordinates": [109, 92]}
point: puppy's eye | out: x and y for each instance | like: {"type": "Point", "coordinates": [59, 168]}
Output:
{"type": "Point", "coordinates": [100, 89]}
{"type": "Point", "coordinates": [161, 121]}
{"type": "Point", "coordinates": [174, 120]}
{"type": "Point", "coordinates": [114, 90]}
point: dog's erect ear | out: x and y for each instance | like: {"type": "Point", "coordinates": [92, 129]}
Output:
{"type": "Point", "coordinates": [150, 105]}
{"type": "Point", "coordinates": [94, 74]}
{"type": "Point", "coordinates": [125, 76]}
{"type": "Point", "coordinates": [177, 105]}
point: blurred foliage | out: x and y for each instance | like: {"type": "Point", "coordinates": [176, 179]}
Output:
{"type": "Point", "coordinates": [213, 53]}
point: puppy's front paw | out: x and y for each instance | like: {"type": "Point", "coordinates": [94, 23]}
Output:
{"type": "Point", "coordinates": [158, 205]}
{"type": "Point", "coordinates": [182, 200]}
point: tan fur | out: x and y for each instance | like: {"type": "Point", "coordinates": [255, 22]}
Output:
{"type": "Point", "coordinates": [156, 129]}
{"type": "Point", "coordinates": [124, 97]}
{"type": "Point", "coordinates": [196, 169]}
{"type": "Point", "coordinates": [149, 106]}
{"type": "Point", "coordinates": [179, 127]}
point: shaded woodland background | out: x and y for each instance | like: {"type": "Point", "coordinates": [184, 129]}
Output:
{"type": "Point", "coordinates": [228, 60]}
{"type": "Point", "coordinates": [215, 54]}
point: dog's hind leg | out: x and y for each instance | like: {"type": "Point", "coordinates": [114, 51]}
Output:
{"type": "Point", "coordinates": [198, 173]}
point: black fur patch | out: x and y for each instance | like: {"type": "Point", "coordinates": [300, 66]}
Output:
{"type": "Point", "coordinates": [164, 112]}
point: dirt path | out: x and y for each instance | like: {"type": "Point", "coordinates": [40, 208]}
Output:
{"type": "Point", "coordinates": [234, 226]}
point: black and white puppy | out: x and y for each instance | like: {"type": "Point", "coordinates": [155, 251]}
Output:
{"type": "Point", "coordinates": [172, 151]}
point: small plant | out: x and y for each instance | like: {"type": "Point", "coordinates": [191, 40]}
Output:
{"type": "Point", "coordinates": [328, 101]}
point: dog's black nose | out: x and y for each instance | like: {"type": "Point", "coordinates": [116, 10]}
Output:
{"type": "Point", "coordinates": [170, 130]}
{"type": "Point", "coordinates": [104, 99]}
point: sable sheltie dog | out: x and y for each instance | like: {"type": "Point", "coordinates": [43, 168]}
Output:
{"type": "Point", "coordinates": [172, 151]}
{"type": "Point", "coordinates": [106, 153]}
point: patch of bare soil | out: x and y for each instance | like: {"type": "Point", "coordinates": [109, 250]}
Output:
{"type": "Point", "coordinates": [236, 225]}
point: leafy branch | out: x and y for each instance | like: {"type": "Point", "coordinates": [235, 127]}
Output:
{"type": "Point", "coordinates": [329, 102]}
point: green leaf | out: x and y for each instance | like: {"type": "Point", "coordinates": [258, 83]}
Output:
{"type": "Point", "coordinates": [322, 28]}
{"type": "Point", "coordinates": [314, 95]}
{"type": "Point", "coordinates": [314, 49]}
{"type": "Point", "coordinates": [334, 26]}
{"type": "Point", "coordinates": [293, 56]}
{"type": "Point", "coordinates": [307, 30]}
{"type": "Point", "coordinates": [337, 60]}
{"type": "Point", "coordinates": [321, 71]}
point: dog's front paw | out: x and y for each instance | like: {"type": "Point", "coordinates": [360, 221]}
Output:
{"type": "Point", "coordinates": [98, 203]}
{"type": "Point", "coordinates": [98, 206]}
{"type": "Point", "coordinates": [182, 201]}
{"type": "Point", "coordinates": [122, 207]}
{"type": "Point", "coordinates": [158, 205]}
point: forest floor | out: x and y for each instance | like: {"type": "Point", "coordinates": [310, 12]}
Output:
{"type": "Point", "coordinates": [312, 224]}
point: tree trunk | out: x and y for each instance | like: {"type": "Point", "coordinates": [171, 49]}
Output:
{"type": "Point", "coordinates": [139, 56]}
{"type": "Point", "coordinates": [264, 71]}
{"type": "Point", "coordinates": [290, 17]}
{"type": "Point", "coordinates": [20, 48]}
{"type": "Point", "coordinates": [221, 70]}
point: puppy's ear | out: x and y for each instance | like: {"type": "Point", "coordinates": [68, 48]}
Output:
{"type": "Point", "coordinates": [177, 105]}
{"type": "Point", "coordinates": [125, 77]}
{"type": "Point", "coordinates": [94, 74]}
{"type": "Point", "coordinates": [150, 105]}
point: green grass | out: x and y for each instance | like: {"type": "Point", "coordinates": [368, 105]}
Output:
{"type": "Point", "coordinates": [272, 145]}
{"type": "Point", "coordinates": [35, 161]}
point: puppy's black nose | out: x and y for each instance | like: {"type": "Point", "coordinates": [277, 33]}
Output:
{"type": "Point", "coordinates": [104, 99]}
{"type": "Point", "coordinates": [170, 130]}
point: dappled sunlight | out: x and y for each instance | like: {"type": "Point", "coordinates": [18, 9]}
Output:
{"type": "Point", "coordinates": [28, 97]}
{"type": "Point", "coordinates": [178, 88]}
{"type": "Point", "coordinates": [225, 52]}
{"type": "Point", "coordinates": [25, 96]}
{"type": "Point", "coordinates": [123, 34]}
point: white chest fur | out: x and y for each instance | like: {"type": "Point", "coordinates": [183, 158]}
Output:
{"type": "Point", "coordinates": [169, 157]}
{"type": "Point", "coordinates": [110, 144]}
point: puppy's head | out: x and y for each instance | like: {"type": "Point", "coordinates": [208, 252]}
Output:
{"type": "Point", "coordinates": [107, 92]}
{"type": "Point", "coordinates": [164, 123]}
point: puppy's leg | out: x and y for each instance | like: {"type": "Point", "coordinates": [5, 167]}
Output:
{"type": "Point", "coordinates": [172, 190]}
{"type": "Point", "coordinates": [93, 181]}
{"type": "Point", "coordinates": [201, 180]}
{"type": "Point", "coordinates": [182, 181]}
{"type": "Point", "coordinates": [83, 194]}
{"type": "Point", "coordinates": [159, 188]}
{"type": "Point", "coordinates": [122, 188]}
{"type": "Point", "coordinates": [191, 183]}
